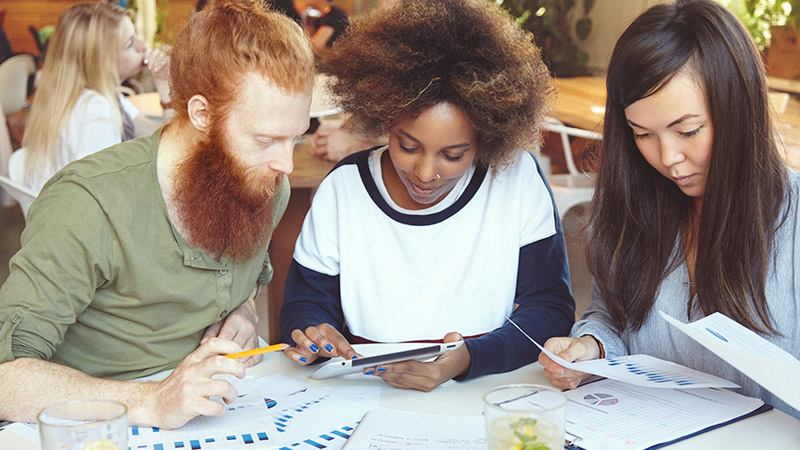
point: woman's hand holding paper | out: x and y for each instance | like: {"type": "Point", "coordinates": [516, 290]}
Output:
{"type": "Point", "coordinates": [570, 349]}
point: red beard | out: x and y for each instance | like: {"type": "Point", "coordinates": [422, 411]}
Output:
{"type": "Point", "coordinates": [224, 210]}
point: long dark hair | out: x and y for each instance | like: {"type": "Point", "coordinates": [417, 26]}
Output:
{"type": "Point", "coordinates": [637, 214]}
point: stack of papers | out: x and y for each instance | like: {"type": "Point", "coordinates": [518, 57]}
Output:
{"type": "Point", "coordinates": [273, 412]}
{"type": "Point", "coordinates": [609, 414]}
{"type": "Point", "coordinates": [400, 430]}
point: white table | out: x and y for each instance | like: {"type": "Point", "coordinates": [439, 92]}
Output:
{"type": "Point", "coordinates": [773, 429]}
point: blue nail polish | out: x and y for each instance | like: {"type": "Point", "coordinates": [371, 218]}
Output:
{"type": "Point", "coordinates": [328, 347]}
{"type": "Point", "coordinates": [303, 358]}
{"type": "Point", "coordinates": [381, 369]}
{"type": "Point", "coordinates": [314, 348]}
{"type": "Point", "coordinates": [354, 357]}
{"type": "Point", "coordinates": [369, 372]}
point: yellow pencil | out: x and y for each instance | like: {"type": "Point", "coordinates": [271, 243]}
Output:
{"type": "Point", "coordinates": [258, 351]}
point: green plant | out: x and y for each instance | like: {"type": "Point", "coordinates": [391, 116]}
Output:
{"type": "Point", "coordinates": [161, 7]}
{"type": "Point", "coordinates": [555, 27]}
{"type": "Point", "coordinates": [761, 15]}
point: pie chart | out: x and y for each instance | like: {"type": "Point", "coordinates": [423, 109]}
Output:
{"type": "Point", "coordinates": [600, 399]}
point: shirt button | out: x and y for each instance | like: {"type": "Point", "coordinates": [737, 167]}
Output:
{"type": "Point", "coordinates": [223, 271]}
{"type": "Point", "coordinates": [15, 318]}
{"type": "Point", "coordinates": [223, 314]}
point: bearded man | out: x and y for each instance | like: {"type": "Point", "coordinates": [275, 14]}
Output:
{"type": "Point", "coordinates": [147, 256]}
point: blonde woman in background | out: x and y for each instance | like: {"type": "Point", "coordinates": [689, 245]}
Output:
{"type": "Point", "coordinates": [77, 109]}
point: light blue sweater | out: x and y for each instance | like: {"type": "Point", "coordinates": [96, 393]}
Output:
{"type": "Point", "coordinates": [662, 340]}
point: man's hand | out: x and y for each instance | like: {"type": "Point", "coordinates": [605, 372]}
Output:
{"type": "Point", "coordinates": [424, 376]}
{"type": "Point", "coordinates": [185, 393]}
{"type": "Point", "coordinates": [240, 327]}
{"type": "Point", "coordinates": [570, 349]}
{"type": "Point", "coordinates": [321, 340]}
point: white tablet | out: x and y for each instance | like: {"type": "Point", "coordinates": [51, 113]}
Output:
{"type": "Point", "coordinates": [343, 367]}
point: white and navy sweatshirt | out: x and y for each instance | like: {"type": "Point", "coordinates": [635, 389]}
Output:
{"type": "Point", "coordinates": [492, 248]}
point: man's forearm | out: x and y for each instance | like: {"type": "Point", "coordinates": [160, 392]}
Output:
{"type": "Point", "coordinates": [29, 384]}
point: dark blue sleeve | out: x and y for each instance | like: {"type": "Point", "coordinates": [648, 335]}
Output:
{"type": "Point", "coordinates": [546, 309]}
{"type": "Point", "coordinates": [309, 298]}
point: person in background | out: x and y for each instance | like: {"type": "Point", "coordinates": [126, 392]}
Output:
{"type": "Point", "coordinates": [451, 228]}
{"type": "Point", "coordinates": [77, 109]}
{"type": "Point", "coordinates": [333, 140]}
{"type": "Point", "coordinates": [325, 23]}
{"type": "Point", "coordinates": [285, 7]}
{"type": "Point", "coordinates": [694, 211]}
{"type": "Point", "coordinates": [148, 256]}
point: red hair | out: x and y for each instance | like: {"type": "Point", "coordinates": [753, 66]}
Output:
{"type": "Point", "coordinates": [228, 39]}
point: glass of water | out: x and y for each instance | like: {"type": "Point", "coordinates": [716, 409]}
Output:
{"type": "Point", "coordinates": [525, 416]}
{"type": "Point", "coordinates": [84, 425]}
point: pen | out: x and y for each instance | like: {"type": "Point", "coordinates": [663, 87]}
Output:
{"type": "Point", "coordinates": [258, 351]}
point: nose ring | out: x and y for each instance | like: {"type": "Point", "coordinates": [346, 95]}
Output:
{"type": "Point", "coordinates": [438, 176]}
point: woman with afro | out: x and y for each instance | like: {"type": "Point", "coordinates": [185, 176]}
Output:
{"type": "Point", "coordinates": [450, 229]}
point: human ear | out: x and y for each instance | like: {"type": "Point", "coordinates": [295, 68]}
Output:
{"type": "Point", "coordinates": [199, 113]}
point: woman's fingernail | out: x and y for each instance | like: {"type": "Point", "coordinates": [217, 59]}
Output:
{"type": "Point", "coordinates": [354, 357]}
{"type": "Point", "coordinates": [303, 358]}
{"type": "Point", "coordinates": [314, 348]}
{"type": "Point", "coordinates": [369, 372]}
{"type": "Point", "coordinates": [328, 347]}
{"type": "Point", "coordinates": [381, 369]}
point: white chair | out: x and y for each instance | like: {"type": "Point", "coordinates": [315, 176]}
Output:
{"type": "Point", "coordinates": [573, 188]}
{"type": "Point", "coordinates": [5, 155]}
{"type": "Point", "coordinates": [18, 192]}
{"type": "Point", "coordinates": [14, 73]}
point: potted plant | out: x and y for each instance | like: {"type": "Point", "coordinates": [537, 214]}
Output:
{"type": "Point", "coordinates": [556, 24]}
{"type": "Point", "coordinates": [774, 25]}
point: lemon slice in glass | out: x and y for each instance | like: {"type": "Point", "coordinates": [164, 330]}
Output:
{"type": "Point", "coordinates": [103, 444]}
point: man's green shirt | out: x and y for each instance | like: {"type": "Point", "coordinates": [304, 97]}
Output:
{"type": "Point", "coordinates": [104, 282]}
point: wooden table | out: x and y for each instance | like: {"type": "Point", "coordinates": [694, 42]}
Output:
{"type": "Point", "coordinates": [307, 174]}
{"type": "Point", "coordinates": [581, 103]}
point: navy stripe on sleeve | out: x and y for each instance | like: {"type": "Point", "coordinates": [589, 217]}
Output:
{"type": "Point", "coordinates": [546, 309]}
{"type": "Point", "coordinates": [309, 298]}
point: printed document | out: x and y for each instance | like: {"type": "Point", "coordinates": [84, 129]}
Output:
{"type": "Point", "coordinates": [610, 415]}
{"type": "Point", "coordinates": [645, 370]}
{"type": "Point", "coordinates": [759, 359]}
{"type": "Point", "coordinates": [388, 429]}
{"type": "Point", "coordinates": [641, 370]}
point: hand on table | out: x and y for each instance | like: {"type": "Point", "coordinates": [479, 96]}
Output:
{"type": "Point", "coordinates": [185, 393]}
{"type": "Point", "coordinates": [321, 340]}
{"type": "Point", "coordinates": [424, 376]}
{"type": "Point", "coordinates": [240, 327]}
{"type": "Point", "coordinates": [333, 143]}
{"type": "Point", "coordinates": [583, 348]}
